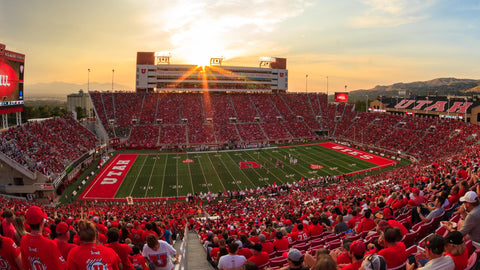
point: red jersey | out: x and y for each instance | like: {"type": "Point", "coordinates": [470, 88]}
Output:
{"type": "Point", "coordinates": [139, 262]}
{"type": "Point", "coordinates": [281, 244]}
{"type": "Point", "coordinates": [365, 225]}
{"type": "Point", "coordinates": [343, 258]}
{"type": "Point", "coordinates": [64, 247]}
{"type": "Point", "coordinates": [93, 256]}
{"type": "Point", "coordinates": [245, 252]}
{"type": "Point", "coordinates": [8, 253]}
{"type": "Point", "coordinates": [267, 247]}
{"type": "Point", "coordinates": [137, 236]}
{"type": "Point", "coordinates": [394, 255]}
{"type": "Point", "coordinates": [353, 266]}
{"type": "Point", "coordinates": [39, 252]}
{"type": "Point", "coordinates": [260, 259]}
{"type": "Point", "coordinates": [461, 261]}
{"type": "Point", "coordinates": [123, 250]}
{"type": "Point", "coordinates": [315, 230]}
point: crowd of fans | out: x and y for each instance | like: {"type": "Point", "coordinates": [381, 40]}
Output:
{"type": "Point", "coordinates": [219, 118]}
{"type": "Point", "coordinates": [47, 146]}
{"type": "Point", "coordinates": [429, 209]}
{"type": "Point", "coordinates": [429, 212]}
{"type": "Point", "coordinates": [92, 236]}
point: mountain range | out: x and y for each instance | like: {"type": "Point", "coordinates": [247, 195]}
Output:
{"type": "Point", "coordinates": [60, 90]}
{"type": "Point", "coordinates": [439, 86]}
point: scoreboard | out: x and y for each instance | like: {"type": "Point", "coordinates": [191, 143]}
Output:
{"type": "Point", "coordinates": [12, 69]}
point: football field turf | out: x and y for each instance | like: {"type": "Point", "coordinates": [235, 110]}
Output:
{"type": "Point", "coordinates": [148, 176]}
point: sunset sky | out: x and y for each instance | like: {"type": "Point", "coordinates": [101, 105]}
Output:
{"type": "Point", "coordinates": [359, 43]}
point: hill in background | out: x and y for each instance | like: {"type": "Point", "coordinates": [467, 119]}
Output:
{"type": "Point", "coordinates": [440, 86]}
{"type": "Point", "coordinates": [60, 90]}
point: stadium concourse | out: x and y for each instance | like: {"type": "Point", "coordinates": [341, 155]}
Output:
{"type": "Point", "coordinates": [314, 216]}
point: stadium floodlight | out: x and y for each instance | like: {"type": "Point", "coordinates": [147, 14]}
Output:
{"type": "Point", "coordinates": [162, 58]}
{"type": "Point", "coordinates": [216, 61]}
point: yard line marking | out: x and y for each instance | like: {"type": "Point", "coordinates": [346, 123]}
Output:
{"type": "Point", "coordinates": [203, 174]}
{"type": "Point", "coordinates": [191, 180]}
{"type": "Point", "coordinates": [263, 153]}
{"type": "Point", "coordinates": [242, 171]}
{"type": "Point", "coordinates": [215, 170]}
{"type": "Point", "coordinates": [164, 171]}
{"type": "Point", "coordinates": [259, 174]}
{"type": "Point", "coordinates": [150, 178]}
{"type": "Point", "coordinates": [234, 179]}
{"type": "Point", "coordinates": [138, 174]}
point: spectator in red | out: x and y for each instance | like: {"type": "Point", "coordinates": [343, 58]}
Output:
{"type": "Point", "coordinates": [299, 234]}
{"type": "Point", "coordinates": [394, 250]}
{"type": "Point", "coordinates": [357, 250]}
{"type": "Point", "coordinates": [354, 220]}
{"type": "Point", "coordinates": [10, 254]}
{"type": "Point", "coordinates": [455, 248]}
{"type": "Point", "coordinates": [8, 229]}
{"type": "Point", "coordinates": [280, 243]}
{"type": "Point", "coordinates": [37, 251]}
{"type": "Point", "coordinates": [137, 259]}
{"type": "Point", "coordinates": [342, 255]}
{"type": "Point", "coordinates": [63, 235]}
{"type": "Point", "coordinates": [259, 257]}
{"type": "Point", "coordinates": [366, 224]}
{"type": "Point", "coordinates": [266, 246]}
{"type": "Point", "coordinates": [315, 228]}
{"type": "Point", "coordinates": [243, 251]}
{"type": "Point", "coordinates": [90, 254]}
{"type": "Point", "coordinates": [123, 250]}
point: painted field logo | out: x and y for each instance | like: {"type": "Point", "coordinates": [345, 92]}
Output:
{"type": "Point", "coordinates": [316, 167]}
{"type": "Point", "coordinates": [118, 170]}
{"type": "Point", "coordinates": [187, 160]}
{"type": "Point", "coordinates": [249, 164]}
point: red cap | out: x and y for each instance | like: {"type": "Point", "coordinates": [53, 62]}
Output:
{"type": "Point", "coordinates": [387, 213]}
{"type": "Point", "coordinates": [62, 228]}
{"type": "Point", "coordinates": [35, 215]}
{"type": "Point", "coordinates": [46, 231]}
{"type": "Point", "coordinates": [358, 248]}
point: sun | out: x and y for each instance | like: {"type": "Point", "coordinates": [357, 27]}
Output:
{"type": "Point", "coordinates": [200, 51]}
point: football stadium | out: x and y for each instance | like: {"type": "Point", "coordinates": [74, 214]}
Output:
{"type": "Point", "coordinates": [223, 160]}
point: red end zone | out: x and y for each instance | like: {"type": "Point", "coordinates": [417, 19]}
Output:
{"type": "Point", "coordinates": [107, 182]}
{"type": "Point", "coordinates": [377, 160]}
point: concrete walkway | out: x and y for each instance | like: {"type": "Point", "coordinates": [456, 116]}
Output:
{"type": "Point", "coordinates": [196, 254]}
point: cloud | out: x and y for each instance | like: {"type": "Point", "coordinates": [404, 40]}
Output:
{"type": "Point", "coordinates": [229, 28]}
{"type": "Point", "coordinates": [391, 13]}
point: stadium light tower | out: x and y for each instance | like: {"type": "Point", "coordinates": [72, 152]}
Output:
{"type": "Point", "coordinates": [113, 72]}
{"type": "Point", "coordinates": [88, 81]}
{"type": "Point", "coordinates": [306, 79]}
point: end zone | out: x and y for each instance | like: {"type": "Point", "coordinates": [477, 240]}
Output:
{"type": "Point", "coordinates": [105, 185]}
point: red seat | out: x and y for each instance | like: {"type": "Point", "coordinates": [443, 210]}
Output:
{"type": "Point", "coordinates": [412, 250]}
{"type": "Point", "coordinates": [472, 260]}
{"type": "Point", "coordinates": [278, 262]}
{"type": "Point", "coordinates": [316, 242]}
{"type": "Point", "coordinates": [261, 267]}
{"type": "Point", "coordinates": [279, 253]}
{"type": "Point", "coordinates": [409, 238]}
{"type": "Point", "coordinates": [312, 251]}
{"type": "Point", "coordinates": [333, 244]}
{"type": "Point", "coordinates": [302, 246]}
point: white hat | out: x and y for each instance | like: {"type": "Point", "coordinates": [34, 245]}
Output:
{"type": "Point", "coordinates": [469, 197]}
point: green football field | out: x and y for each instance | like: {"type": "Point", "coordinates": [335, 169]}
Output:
{"type": "Point", "coordinates": [169, 175]}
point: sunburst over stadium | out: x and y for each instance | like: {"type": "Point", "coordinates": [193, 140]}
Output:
{"type": "Point", "coordinates": [226, 162]}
